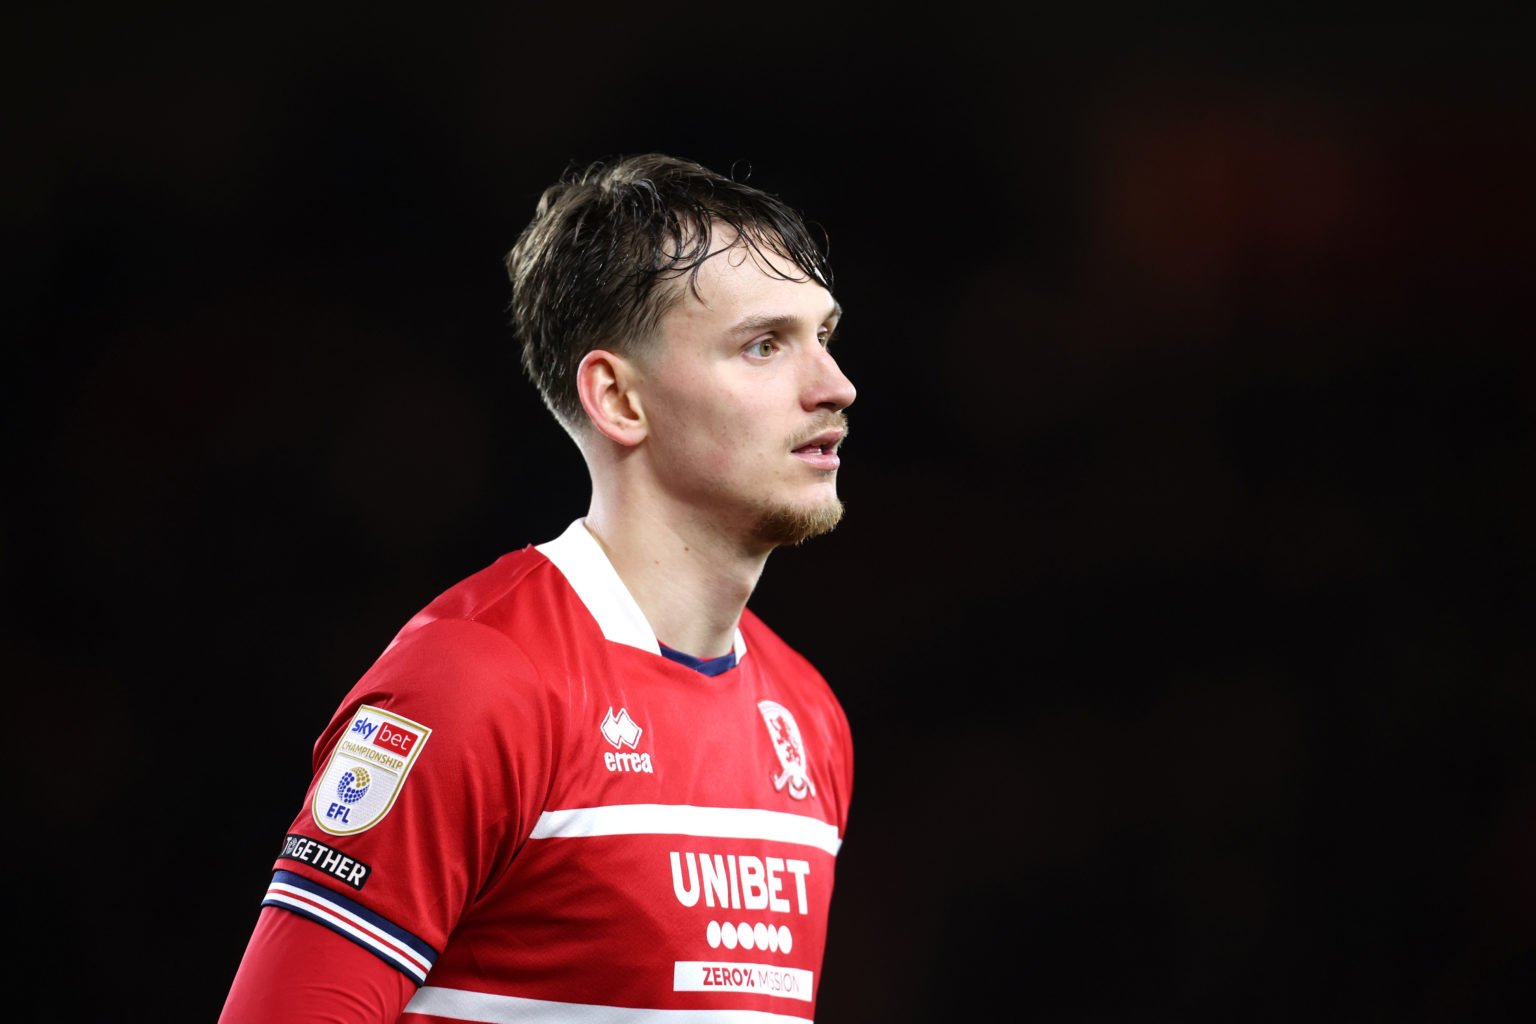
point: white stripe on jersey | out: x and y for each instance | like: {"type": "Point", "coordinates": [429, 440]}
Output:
{"type": "Point", "coordinates": [686, 820]}
{"type": "Point", "coordinates": [308, 902]}
{"type": "Point", "coordinates": [461, 1004]}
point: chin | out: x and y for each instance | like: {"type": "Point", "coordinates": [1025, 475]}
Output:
{"type": "Point", "coordinates": [794, 524]}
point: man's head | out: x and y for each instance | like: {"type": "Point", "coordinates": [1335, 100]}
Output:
{"type": "Point", "coordinates": [612, 247]}
{"type": "Point", "coordinates": [677, 324]}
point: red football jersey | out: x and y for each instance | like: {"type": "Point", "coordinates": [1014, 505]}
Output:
{"type": "Point", "coordinates": [523, 806]}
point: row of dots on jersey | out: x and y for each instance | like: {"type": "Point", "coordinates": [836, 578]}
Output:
{"type": "Point", "coordinates": [774, 938]}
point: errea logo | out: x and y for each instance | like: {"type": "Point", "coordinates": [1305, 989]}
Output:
{"type": "Point", "coordinates": [621, 731]}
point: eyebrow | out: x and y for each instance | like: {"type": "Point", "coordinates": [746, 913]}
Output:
{"type": "Point", "coordinates": [778, 321]}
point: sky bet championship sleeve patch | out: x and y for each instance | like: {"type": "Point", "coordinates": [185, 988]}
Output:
{"type": "Point", "coordinates": [366, 771]}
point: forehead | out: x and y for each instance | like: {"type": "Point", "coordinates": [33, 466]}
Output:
{"type": "Point", "coordinates": [742, 279]}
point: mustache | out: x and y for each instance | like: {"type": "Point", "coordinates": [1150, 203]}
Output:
{"type": "Point", "coordinates": [831, 421]}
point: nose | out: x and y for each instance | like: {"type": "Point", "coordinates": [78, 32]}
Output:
{"type": "Point", "coordinates": [828, 387]}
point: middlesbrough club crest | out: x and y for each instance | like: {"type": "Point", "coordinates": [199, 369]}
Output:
{"type": "Point", "coordinates": [791, 751]}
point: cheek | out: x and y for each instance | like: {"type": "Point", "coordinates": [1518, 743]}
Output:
{"type": "Point", "coordinates": [717, 432]}
{"type": "Point", "coordinates": [724, 456]}
{"type": "Point", "coordinates": [724, 439]}
{"type": "Point", "coordinates": [701, 448]}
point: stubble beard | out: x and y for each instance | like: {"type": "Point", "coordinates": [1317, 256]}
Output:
{"type": "Point", "coordinates": [784, 524]}
{"type": "Point", "coordinates": [789, 525]}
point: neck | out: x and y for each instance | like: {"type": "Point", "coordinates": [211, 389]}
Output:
{"type": "Point", "coordinates": [691, 582]}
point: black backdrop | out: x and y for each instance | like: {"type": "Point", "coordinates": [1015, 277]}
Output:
{"type": "Point", "coordinates": [1182, 606]}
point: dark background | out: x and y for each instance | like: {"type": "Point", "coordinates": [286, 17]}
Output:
{"type": "Point", "coordinates": [1182, 606]}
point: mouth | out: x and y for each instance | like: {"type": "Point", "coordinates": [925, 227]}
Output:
{"type": "Point", "coordinates": [820, 452]}
{"type": "Point", "coordinates": [825, 443]}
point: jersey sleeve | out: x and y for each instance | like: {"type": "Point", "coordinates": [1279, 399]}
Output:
{"type": "Point", "coordinates": [296, 972]}
{"type": "Point", "coordinates": [426, 782]}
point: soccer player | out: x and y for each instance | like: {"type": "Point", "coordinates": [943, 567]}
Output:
{"type": "Point", "coordinates": [587, 783]}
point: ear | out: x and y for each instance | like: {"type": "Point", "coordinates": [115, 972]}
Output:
{"type": "Point", "coordinates": [605, 382]}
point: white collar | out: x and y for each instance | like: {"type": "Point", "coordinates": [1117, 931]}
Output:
{"type": "Point", "coordinates": [585, 566]}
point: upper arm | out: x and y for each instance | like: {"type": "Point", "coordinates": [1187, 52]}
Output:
{"type": "Point", "coordinates": [425, 784]}
{"type": "Point", "coordinates": [297, 972]}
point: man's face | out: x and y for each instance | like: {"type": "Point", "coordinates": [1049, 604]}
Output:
{"type": "Point", "coordinates": [744, 401]}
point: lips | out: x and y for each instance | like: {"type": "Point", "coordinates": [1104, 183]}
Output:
{"type": "Point", "coordinates": [825, 443]}
{"type": "Point", "coordinates": [819, 451]}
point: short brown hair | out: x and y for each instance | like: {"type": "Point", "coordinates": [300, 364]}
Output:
{"type": "Point", "coordinates": [590, 270]}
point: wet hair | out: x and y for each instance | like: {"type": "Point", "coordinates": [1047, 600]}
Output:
{"type": "Point", "coordinates": [596, 266]}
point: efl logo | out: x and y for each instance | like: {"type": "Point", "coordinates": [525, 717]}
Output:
{"type": "Point", "coordinates": [368, 766]}
{"type": "Point", "coordinates": [392, 737]}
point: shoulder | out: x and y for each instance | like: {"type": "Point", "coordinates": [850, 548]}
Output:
{"type": "Point", "coordinates": [474, 649]}
{"type": "Point", "coordinates": [449, 678]}
{"type": "Point", "coordinates": [485, 596]}
{"type": "Point", "coordinates": [800, 702]}
{"type": "Point", "coordinates": [763, 642]}
{"type": "Point", "coordinates": [789, 668]}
